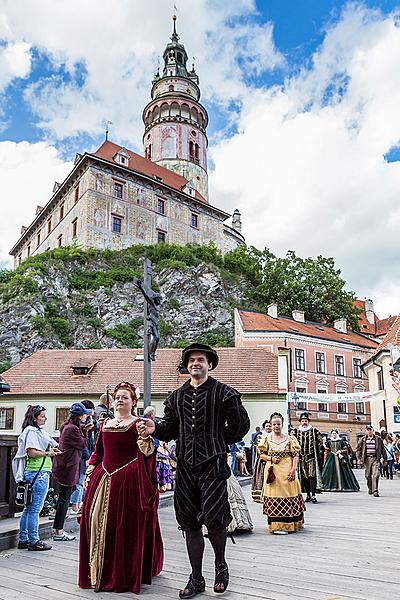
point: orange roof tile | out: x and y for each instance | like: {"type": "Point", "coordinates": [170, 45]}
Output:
{"type": "Point", "coordinates": [255, 321]}
{"type": "Point", "coordinates": [49, 372]}
{"type": "Point", "coordinates": [138, 163]}
{"type": "Point", "coordinates": [392, 337]}
{"type": "Point", "coordinates": [383, 325]}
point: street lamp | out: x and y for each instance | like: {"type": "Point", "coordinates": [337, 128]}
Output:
{"type": "Point", "coordinates": [295, 399]}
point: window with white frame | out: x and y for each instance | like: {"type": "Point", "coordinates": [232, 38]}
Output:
{"type": "Point", "coordinates": [357, 372]}
{"type": "Point", "coordinates": [360, 408]}
{"type": "Point", "coordinates": [6, 418]}
{"type": "Point", "coordinates": [339, 366]}
{"type": "Point", "coordinates": [342, 407]}
{"type": "Point", "coordinates": [320, 366]}
{"type": "Point", "coordinates": [299, 359]}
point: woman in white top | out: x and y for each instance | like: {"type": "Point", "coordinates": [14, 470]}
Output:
{"type": "Point", "coordinates": [33, 463]}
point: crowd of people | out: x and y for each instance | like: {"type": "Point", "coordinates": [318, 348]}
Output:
{"type": "Point", "coordinates": [110, 465]}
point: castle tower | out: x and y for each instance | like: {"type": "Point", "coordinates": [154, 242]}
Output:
{"type": "Point", "coordinates": [175, 121]}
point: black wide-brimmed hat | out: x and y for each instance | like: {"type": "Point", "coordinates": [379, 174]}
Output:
{"type": "Point", "coordinates": [197, 347]}
{"type": "Point", "coordinates": [305, 415]}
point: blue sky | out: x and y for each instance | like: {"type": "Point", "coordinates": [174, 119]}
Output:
{"type": "Point", "coordinates": [303, 100]}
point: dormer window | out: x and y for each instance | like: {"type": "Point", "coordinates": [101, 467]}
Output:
{"type": "Point", "coordinates": [80, 370]}
{"type": "Point", "coordinates": [122, 157]}
{"type": "Point", "coordinates": [83, 367]}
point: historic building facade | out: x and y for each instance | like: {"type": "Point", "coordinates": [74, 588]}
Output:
{"type": "Point", "coordinates": [114, 198]}
{"type": "Point", "coordinates": [323, 359]}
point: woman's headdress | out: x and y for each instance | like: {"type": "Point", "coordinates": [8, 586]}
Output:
{"type": "Point", "coordinates": [125, 385]}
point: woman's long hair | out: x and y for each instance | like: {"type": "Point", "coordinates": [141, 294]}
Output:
{"type": "Point", "coordinates": [71, 419]}
{"type": "Point", "coordinates": [30, 416]}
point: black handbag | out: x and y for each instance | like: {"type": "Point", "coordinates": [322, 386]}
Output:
{"type": "Point", "coordinates": [24, 491]}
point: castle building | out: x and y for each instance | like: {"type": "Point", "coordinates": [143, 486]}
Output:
{"type": "Point", "coordinates": [114, 198]}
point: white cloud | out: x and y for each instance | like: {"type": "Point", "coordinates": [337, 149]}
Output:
{"type": "Point", "coordinates": [117, 44]}
{"type": "Point", "coordinates": [307, 167]}
{"type": "Point", "coordinates": [27, 175]}
{"type": "Point", "coordinates": [15, 62]}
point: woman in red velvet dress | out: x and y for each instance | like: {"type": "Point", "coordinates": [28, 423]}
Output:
{"type": "Point", "coordinates": [120, 542]}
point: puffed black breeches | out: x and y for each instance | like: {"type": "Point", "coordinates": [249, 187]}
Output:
{"type": "Point", "coordinates": [201, 495]}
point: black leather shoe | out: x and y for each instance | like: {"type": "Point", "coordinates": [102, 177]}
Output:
{"type": "Point", "coordinates": [308, 499]}
{"type": "Point", "coordinates": [23, 545]}
{"type": "Point", "coordinates": [193, 587]}
{"type": "Point", "coordinates": [314, 500]}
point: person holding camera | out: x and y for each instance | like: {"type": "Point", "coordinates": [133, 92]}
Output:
{"type": "Point", "coordinates": [32, 463]}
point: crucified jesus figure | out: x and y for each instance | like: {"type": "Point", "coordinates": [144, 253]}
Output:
{"type": "Point", "coordinates": [153, 300]}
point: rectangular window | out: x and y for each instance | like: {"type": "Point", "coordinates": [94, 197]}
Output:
{"type": "Point", "coordinates": [161, 237]}
{"type": "Point", "coordinates": [299, 358]}
{"type": "Point", "coordinates": [339, 365]}
{"type": "Point", "coordinates": [322, 407]}
{"type": "Point", "coordinates": [28, 250]}
{"type": "Point", "coordinates": [38, 240]}
{"type": "Point", "coordinates": [99, 184]}
{"type": "Point", "coordinates": [360, 408]}
{"type": "Point", "coordinates": [74, 228]}
{"type": "Point", "coordinates": [19, 259]}
{"type": "Point", "coordinates": [49, 226]}
{"type": "Point", "coordinates": [116, 224]}
{"type": "Point", "coordinates": [321, 391]}
{"type": "Point", "coordinates": [342, 407]}
{"type": "Point", "coordinates": [357, 372]}
{"type": "Point", "coordinates": [76, 194]}
{"type": "Point", "coordinates": [59, 240]}
{"type": "Point", "coordinates": [118, 190]}
{"type": "Point", "coordinates": [320, 362]}
{"type": "Point", "coordinates": [380, 379]}
{"type": "Point", "coordinates": [62, 415]}
{"type": "Point", "coordinates": [195, 220]}
{"type": "Point", "coordinates": [6, 418]}
{"type": "Point", "coordinates": [62, 212]}
{"type": "Point", "coordinates": [160, 206]}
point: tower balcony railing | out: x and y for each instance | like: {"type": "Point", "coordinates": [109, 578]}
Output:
{"type": "Point", "coordinates": [175, 118]}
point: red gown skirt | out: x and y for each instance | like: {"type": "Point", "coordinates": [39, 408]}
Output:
{"type": "Point", "coordinates": [120, 541]}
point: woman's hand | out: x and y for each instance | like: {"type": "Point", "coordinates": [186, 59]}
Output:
{"type": "Point", "coordinates": [275, 460]}
{"type": "Point", "coordinates": [264, 457]}
{"type": "Point", "coordinates": [145, 428]}
{"type": "Point", "coordinates": [292, 475]}
{"type": "Point", "coordinates": [54, 451]}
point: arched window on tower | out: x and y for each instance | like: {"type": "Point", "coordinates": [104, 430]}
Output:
{"type": "Point", "coordinates": [147, 153]}
{"type": "Point", "coordinates": [191, 151]}
{"type": "Point", "coordinates": [170, 88]}
{"type": "Point", "coordinates": [197, 154]}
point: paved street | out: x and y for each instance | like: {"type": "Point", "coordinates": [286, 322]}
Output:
{"type": "Point", "coordinates": [348, 550]}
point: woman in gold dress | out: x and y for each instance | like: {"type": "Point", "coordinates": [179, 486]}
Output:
{"type": "Point", "coordinates": [283, 503]}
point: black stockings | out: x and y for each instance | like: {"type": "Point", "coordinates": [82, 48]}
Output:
{"type": "Point", "coordinates": [195, 549]}
{"type": "Point", "coordinates": [218, 542]}
{"type": "Point", "coordinates": [310, 485]}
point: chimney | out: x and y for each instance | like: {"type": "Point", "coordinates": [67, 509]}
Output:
{"type": "Point", "coordinates": [272, 310]}
{"type": "Point", "coordinates": [23, 229]}
{"type": "Point", "coordinates": [298, 315]}
{"type": "Point", "coordinates": [56, 186]}
{"type": "Point", "coordinates": [340, 325]}
{"type": "Point", "coordinates": [38, 210]}
{"type": "Point", "coordinates": [369, 311]}
{"type": "Point", "coordinates": [237, 221]}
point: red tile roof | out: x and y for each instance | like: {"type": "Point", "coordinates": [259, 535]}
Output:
{"type": "Point", "coordinates": [255, 321]}
{"type": "Point", "coordinates": [138, 163]}
{"type": "Point", "coordinates": [365, 325]}
{"type": "Point", "coordinates": [383, 325]}
{"type": "Point", "coordinates": [379, 328]}
{"type": "Point", "coordinates": [49, 372]}
{"type": "Point", "coordinates": [392, 337]}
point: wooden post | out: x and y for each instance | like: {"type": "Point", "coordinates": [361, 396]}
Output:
{"type": "Point", "coordinates": [147, 280]}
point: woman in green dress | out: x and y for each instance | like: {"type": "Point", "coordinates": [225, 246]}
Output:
{"type": "Point", "coordinates": [337, 474]}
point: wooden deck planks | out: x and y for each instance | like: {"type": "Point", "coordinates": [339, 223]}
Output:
{"type": "Point", "coordinates": [346, 551]}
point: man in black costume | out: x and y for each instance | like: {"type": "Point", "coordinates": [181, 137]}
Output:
{"type": "Point", "coordinates": [204, 416]}
{"type": "Point", "coordinates": [310, 441]}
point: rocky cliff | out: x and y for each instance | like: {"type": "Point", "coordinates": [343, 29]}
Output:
{"type": "Point", "coordinates": [70, 298]}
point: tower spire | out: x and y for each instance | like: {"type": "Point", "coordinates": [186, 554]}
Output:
{"type": "Point", "coordinates": [174, 36]}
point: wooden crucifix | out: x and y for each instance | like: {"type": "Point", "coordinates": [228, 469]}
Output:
{"type": "Point", "coordinates": [151, 333]}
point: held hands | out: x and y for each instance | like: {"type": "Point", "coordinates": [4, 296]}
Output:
{"type": "Point", "coordinates": [145, 428]}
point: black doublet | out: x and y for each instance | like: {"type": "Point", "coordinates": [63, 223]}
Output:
{"type": "Point", "coordinates": [203, 420]}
